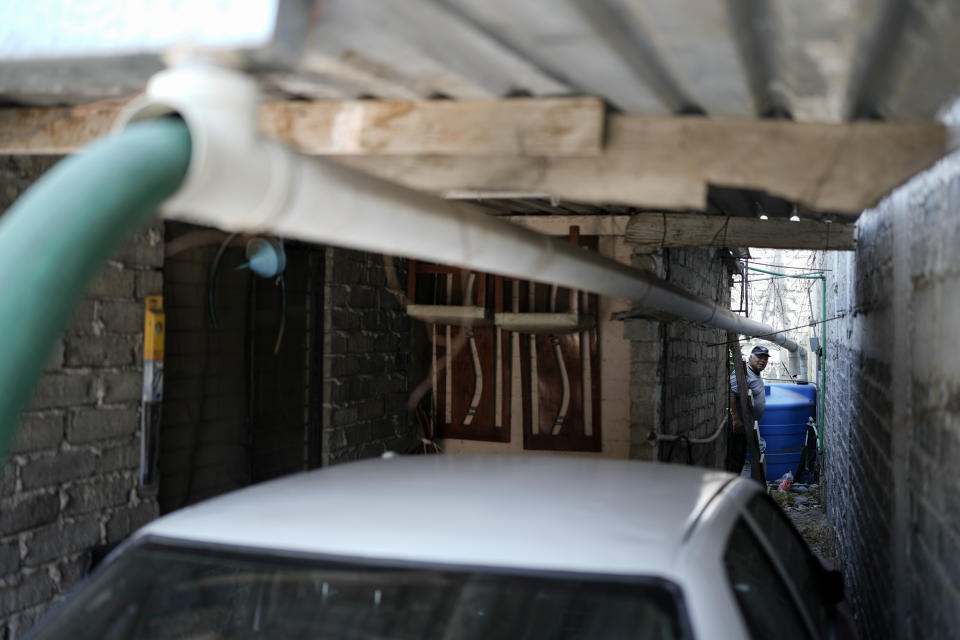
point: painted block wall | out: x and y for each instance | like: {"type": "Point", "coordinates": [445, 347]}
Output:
{"type": "Point", "coordinates": [892, 441]}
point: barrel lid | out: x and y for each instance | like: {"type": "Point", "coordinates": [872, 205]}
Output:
{"type": "Point", "coordinates": [780, 395]}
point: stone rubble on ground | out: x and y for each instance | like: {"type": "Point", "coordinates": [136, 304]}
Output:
{"type": "Point", "coordinates": [799, 497]}
{"type": "Point", "coordinates": [802, 505]}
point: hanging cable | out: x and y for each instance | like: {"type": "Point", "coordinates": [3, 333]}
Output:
{"type": "Point", "coordinates": [283, 312]}
{"type": "Point", "coordinates": [211, 282]}
{"type": "Point", "coordinates": [773, 333]}
{"type": "Point", "coordinates": [786, 266]}
{"type": "Point", "coordinates": [653, 436]}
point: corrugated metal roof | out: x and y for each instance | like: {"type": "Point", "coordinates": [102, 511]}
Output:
{"type": "Point", "coordinates": [813, 61]}
{"type": "Point", "coordinates": [816, 60]}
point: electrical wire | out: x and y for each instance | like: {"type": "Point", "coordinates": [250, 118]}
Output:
{"type": "Point", "coordinates": [666, 437]}
{"type": "Point", "coordinates": [771, 278]}
{"type": "Point", "coordinates": [427, 444]}
{"type": "Point", "coordinates": [773, 333]}
{"type": "Point", "coordinates": [283, 313]}
{"type": "Point", "coordinates": [784, 266]}
{"type": "Point", "coordinates": [812, 313]}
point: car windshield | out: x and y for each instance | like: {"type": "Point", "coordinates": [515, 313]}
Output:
{"type": "Point", "coordinates": [166, 591]}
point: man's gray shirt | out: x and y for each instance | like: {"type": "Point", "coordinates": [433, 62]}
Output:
{"type": "Point", "coordinates": [755, 384]}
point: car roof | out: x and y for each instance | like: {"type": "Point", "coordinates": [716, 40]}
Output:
{"type": "Point", "coordinates": [523, 512]}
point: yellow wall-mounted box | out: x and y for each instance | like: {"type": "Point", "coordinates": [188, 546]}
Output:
{"type": "Point", "coordinates": [154, 326]}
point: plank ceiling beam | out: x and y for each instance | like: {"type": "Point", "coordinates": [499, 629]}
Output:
{"type": "Point", "coordinates": [669, 230]}
{"type": "Point", "coordinates": [564, 149]}
{"type": "Point", "coordinates": [559, 225]}
{"type": "Point", "coordinates": [668, 163]}
{"type": "Point", "coordinates": [55, 131]}
{"type": "Point", "coordinates": [541, 127]}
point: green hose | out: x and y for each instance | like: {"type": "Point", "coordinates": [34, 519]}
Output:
{"type": "Point", "coordinates": [59, 234]}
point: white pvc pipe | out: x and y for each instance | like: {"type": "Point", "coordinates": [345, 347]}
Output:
{"type": "Point", "coordinates": [798, 363]}
{"type": "Point", "coordinates": [239, 181]}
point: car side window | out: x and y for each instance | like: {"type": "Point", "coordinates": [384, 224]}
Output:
{"type": "Point", "coordinates": [764, 600]}
{"type": "Point", "coordinates": [799, 564]}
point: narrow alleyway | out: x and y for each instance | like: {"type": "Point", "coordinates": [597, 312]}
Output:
{"type": "Point", "coordinates": [803, 505]}
{"type": "Point", "coordinates": [806, 511]}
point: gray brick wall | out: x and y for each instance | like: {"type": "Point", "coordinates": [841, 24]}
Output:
{"type": "Point", "coordinates": [678, 380]}
{"type": "Point", "coordinates": [892, 433]}
{"type": "Point", "coordinates": [70, 481]}
{"type": "Point", "coordinates": [646, 384]}
{"type": "Point", "coordinates": [695, 367]}
{"type": "Point", "coordinates": [366, 356]}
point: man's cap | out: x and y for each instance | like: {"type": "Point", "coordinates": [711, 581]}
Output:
{"type": "Point", "coordinates": [760, 351]}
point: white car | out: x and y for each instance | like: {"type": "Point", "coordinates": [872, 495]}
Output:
{"type": "Point", "coordinates": [466, 547]}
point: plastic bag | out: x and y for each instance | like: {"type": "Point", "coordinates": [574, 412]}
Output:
{"type": "Point", "coordinates": [785, 481]}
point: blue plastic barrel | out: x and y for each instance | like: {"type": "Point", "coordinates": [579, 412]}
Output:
{"type": "Point", "coordinates": [784, 425]}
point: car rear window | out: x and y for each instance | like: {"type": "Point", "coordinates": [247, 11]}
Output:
{"type": "Point", "coordinates": [763, 598]}
{"type": "Point", "coordinates": [800, 564]}
{"type": "Point", "coordinates": [161, 591]}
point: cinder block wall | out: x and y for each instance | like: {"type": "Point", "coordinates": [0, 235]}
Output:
{"type": "Point", "coordinates": [678, 369]}
{"type": "Point", "coordinates": [70, 481]}
{"type": "Point", "coordinates": [892, 436]}
{"type": "Point", "coordinates": [366, 354]}
{"type": "Point", "coordinates": [69, 487]}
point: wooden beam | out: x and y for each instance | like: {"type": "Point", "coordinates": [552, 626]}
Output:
{"type": "Point", "coordinates": [515, 127]}
{"type": "Point", "coordinates": [654, 230]}
{"type": "Point", "coordinates": [554, 147]}
{"type": "Point", "coordinates": [549, 127]}
{"type": "Point", "coordinates": [758, 464]}
{"type": "Point", "coordinates": [55, 131]}
{"type": "Point", "coordinates": [559, 225]}
{"type": "Point", "coordinates": [668, 163]}
{"type": "Point", "coordinates": [458, 194]}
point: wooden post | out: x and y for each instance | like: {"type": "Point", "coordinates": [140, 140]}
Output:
{"type": "Point", "coordinates": [758, 465]}
{"type": "Point", "coordinates": [412, 282]}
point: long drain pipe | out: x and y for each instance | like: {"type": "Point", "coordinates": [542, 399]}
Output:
{"type": "Point", "coordinates": [240, 181]}
{"type": "Point", "coordinates": [52, 244]}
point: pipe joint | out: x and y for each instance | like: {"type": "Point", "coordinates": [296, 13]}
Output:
{"type": "Point", "coordinates": [237, 180]}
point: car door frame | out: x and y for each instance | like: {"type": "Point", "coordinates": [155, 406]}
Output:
{"type": "Point", "coordinates": [701, 563]}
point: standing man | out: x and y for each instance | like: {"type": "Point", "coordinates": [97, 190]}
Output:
{"type": "Point", "coordinates": [759, 357]}
{"type": "Point", "coordinates": [737, 442]}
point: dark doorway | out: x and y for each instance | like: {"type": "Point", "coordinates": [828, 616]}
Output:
{"type": "Point", "coordinates": [242, 373]}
